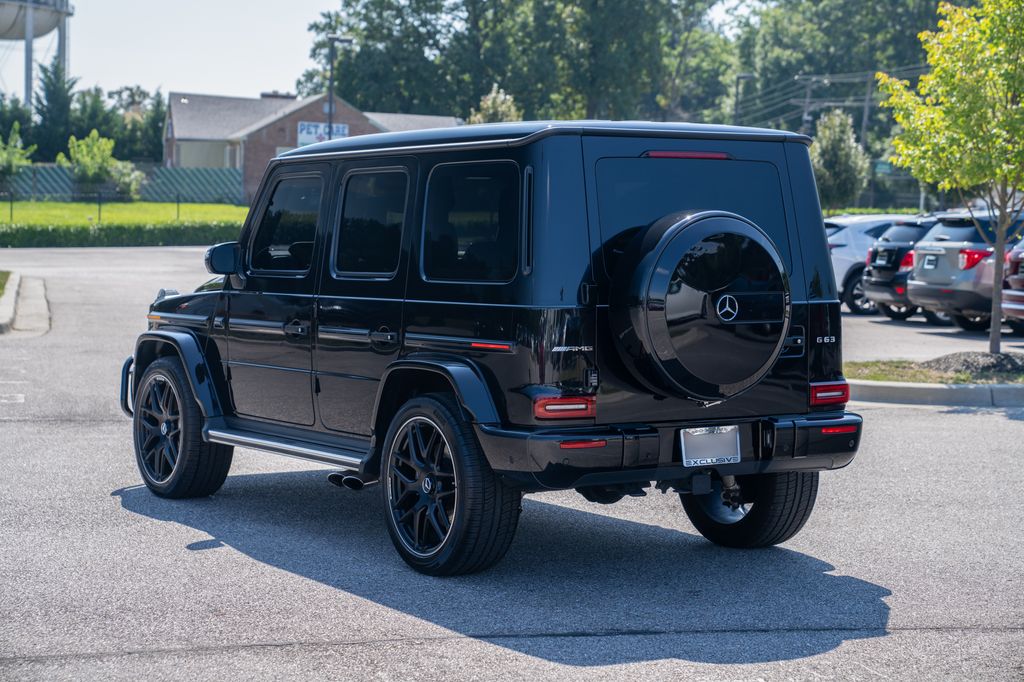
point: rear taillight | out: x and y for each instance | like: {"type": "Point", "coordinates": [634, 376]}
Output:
{"type": "Point", "coordinates": [907, 264]}
{"type": "Point", "coordinates": [971, 257]}
{"type": "Point", "coordinates": [565, 407]}
{"type": "Point", "coordinates": [830, 393]}
{"type": "Point", "coordinates": [871, 256]}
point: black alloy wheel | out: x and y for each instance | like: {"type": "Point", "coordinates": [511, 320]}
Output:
{"type": "Point", "coordinates": [422, 486]}
{"type": "Point", "coordinates": [447, 512]}
{"type": "Point", "coordinates": [897, 312]}
{"type": "Point", "coordinates": [170, 452]}
{"type": "Point", "coordinates": [158, 428]}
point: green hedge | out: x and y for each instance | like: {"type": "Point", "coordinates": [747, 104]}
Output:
{"type": "Point", "coordinates": [180, 234]}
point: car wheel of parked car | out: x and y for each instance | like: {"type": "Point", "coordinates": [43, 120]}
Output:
{"type": "Point", "coordinates": [971, 323]}
{"type": "Point", "coordinates": [172, 456]}
{"type": "Point", "coordinates": [774, 508]}
{"type": "Point", "coordinates": [854, 298]}
{"type": "Point", "coordinates": [897, 312]}
{"type": "Point", "coordinates": [1016, 326]}
{"type": "Point", "coordinates": [447, 512]}
{"type": "Point", "coordinates": [937, 319]}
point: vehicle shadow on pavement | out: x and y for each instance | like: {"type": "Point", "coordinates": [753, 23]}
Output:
{"type": "Point", "coordinates": [1011, 413]}
{"type": "Point", "coordinates": [646, 592]}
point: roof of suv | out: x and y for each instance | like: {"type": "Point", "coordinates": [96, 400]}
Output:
{"type": "Point", "coordinates": [526, 131]}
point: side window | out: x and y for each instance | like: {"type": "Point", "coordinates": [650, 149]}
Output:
{"type": "Point", "coordinates": [284, 237]}
{"type": "Point", "coordinates": [471, 228]}
{"type": "Point", "coordinates": [876, 232]}
{"type": "Point", "coordinates": [370, 235]}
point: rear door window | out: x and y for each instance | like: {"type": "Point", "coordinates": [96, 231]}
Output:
{"type": "Point", "coordinates": [370, 234]}
{"type": "Point", "coordinates": [635, 192]}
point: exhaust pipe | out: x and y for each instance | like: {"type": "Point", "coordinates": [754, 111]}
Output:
{"type": "Point", "coordinates": [346, 481]}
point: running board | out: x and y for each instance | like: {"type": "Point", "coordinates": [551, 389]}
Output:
{"type": "Point", "coordinates": [290, 447]}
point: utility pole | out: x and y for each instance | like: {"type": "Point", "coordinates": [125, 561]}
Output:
{"type": "Point", "coordinates": [736, 97]}
{"type": "Point", "coordinates": [864, 114]}
{"type": "Point", "coordinates": [805, 118]}
{"type": "Point", "coordinates": [332, 40]}
{"type": "Point", "coordinates": [30, 28]}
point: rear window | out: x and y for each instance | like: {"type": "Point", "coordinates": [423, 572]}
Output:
{"type": "Point", "coordinates": [904, 233]}
{"type": "Point", "coordinates": [958, 232]}
{"type": "Point", "coordinates": [832, 228]}
{"type": "Point", "coordinates": [634, 192]}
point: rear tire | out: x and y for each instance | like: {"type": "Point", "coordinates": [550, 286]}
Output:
{"type": "Point", "coordinates": [167, 425]}
{"type": "Point", "coordinates": [937, 319]}
{"type": "Point", "coordinates": [1016, 326]}
{"type": "Point", "coordinates": [978, 323]}
{"type": "Point", "coordinates": [777, 507]}
{"type": "Point", "coordinates": [897, 312]}
{"type": "Point", "coordinates": [854, 298]}
{"type": "Point", "coordinates": [447, 512]}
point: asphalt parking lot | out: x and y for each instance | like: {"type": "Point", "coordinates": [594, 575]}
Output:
{"type": "Point", "coordinates": [909, 567]}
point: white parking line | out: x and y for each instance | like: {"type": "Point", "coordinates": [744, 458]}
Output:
{"type": "Point", "coordinates": [12, 397]}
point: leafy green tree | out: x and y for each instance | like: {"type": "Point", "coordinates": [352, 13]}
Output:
{"type": "Point", "coordinates": [13, 111]}
{"type": "Point", "coordinates": [152, 134]}
{"type": "Point", "coordinates": [496, 107]}
{"type": "Point", "coordinates": [53, 110]}
{"type": "Point", "coordinates": [963, 126]}
{"type": "Point", "coordinates": [13, 155]}
{"type": "Point", "coordinates": [90, 111]}
{"type": "Point", "coordinates": [90, 159]}
{"type": "Point", "coordinates": [127, 179]}
{"type": "Point", "coordinates": [840, 165]}
{"type": "Point", "coordinates": [696, 62]}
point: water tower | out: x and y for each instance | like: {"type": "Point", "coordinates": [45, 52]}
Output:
{"type": "Point", "coordinates": [27, 20]}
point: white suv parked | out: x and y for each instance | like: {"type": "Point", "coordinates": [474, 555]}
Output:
{"type": "Point", "coordinates": [849, 238]}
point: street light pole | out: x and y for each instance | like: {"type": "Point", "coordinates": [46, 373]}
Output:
{"type": "Point", "coordinates": [736, 96]}
{"type": "Point", "coordinates": [332, 40]}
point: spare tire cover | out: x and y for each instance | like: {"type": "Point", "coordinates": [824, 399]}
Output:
{"type": "Point", "coordinates": [700, 305]}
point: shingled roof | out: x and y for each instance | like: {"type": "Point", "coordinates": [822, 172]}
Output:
{"type": "Point", "coordinates": [394, 123]}
{"type": "Point", "coordinates": [212, 117]}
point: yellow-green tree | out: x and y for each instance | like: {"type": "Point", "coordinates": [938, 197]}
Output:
{"type": "Point", "coordinates": [496, 107]}
{"type": "Point", "coordinates": [963, 126]}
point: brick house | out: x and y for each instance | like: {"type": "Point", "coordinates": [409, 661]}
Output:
{"type": "Point", "coordinates": [209, 131]}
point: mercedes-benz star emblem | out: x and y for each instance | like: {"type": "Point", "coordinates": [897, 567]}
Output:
{"type": "Point", "coordinates": [728, 308]}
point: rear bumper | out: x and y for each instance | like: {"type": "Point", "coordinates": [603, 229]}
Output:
{"type": "Point", "coordinates": [945, 299]}
{"type": "Point", "coordinates": [884, 290]}
{"type": "Point", "coordinates": [1013, 303]}
{"type": "Point", "coordinates": [538, 460]}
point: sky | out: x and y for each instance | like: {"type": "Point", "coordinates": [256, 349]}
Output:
{"type": "Point", "coordinates": [223, 47]}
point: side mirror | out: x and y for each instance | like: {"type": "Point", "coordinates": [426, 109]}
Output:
{"type": "Point", "coordinates": [224, 259]}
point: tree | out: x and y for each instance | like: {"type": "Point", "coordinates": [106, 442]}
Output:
{"type": "Point", "coordinates": [840, 164]}
{"type": "Point", "coordinates": [13, 155]}
{"type": "Point", "coordinates": [90, 112]}
{"type": "Point", "coordinates": [91, 159]}
{"type": "Point", "coordinates": [13, 111]}
{"type": "Point", "coordinates": [53, 110]}
{"type": "Point", "coordinates": [495, 107]}
{"type": "Point", "coordinates": [963, 126]}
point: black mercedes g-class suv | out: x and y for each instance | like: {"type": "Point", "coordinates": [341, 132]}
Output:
{"type": "Point", "coordinates": [470, 314]}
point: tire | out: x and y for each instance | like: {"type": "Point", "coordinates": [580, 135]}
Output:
{"type": "Point", "coordinates": [1016, 326]}
{"type": "Point", "coordinates": [894, 312]}
{"type": "Point", "coordinates": [776, 507]}
{"type": "Point", "coordinates": [445, 481]}
{"type": "Point", "coordinates": [854, 298]}
{"type": "Point", "coordinates": [972, 323]}
{"type": "Point", "coordinates": [173, 458]}
{"type": "Point", "coordinates": [937, 319]}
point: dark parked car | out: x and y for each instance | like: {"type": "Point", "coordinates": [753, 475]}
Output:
{"type": "Point", "coordinates": [1013, 289]}
{"type": "Point", "coordinates": [888, 267]}
{"type": "Point", "coordinates": [953, 269]}
{"type": "Point", "coordinates": [467, 315]}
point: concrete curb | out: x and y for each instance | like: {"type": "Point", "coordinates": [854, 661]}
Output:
{"type": "Point", "coordinates": [7, 302]}
{"type": "Point", "coordinates": [969, 395]}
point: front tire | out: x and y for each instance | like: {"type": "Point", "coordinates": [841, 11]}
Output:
{"type": "Point", "coordinates": [776, 507]}
{"type": "Point", "coordinates": [972, 323]}
{"type": "Point", "coordinates": [897, 312]}
{"type": "Point", "coordinates": [447, 512]}
{"type": "Point", "coordinates": [170, 452]}
{"type": "Point", "coordinates": [937, 319]}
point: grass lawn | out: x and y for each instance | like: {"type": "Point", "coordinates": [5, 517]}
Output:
{"type": "Point", "coordinates": [905, 370]}
{"type": "Point", "coordinates": [3, 281]}
{"type": "Point", "coordinates": [62, 213]}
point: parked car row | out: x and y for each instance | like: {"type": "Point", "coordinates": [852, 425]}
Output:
{"type": "Point", "coordinates": [939, 265]}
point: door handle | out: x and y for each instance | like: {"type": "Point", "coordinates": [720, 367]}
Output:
{"type": "Point", "coordinates": [383, 337]}
{"type": "Point", "coordinates": [296, 328]}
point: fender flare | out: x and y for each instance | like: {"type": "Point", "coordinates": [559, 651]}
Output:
{"type": "Point", "coordinates": [469, 386]}
{"type": "Point", "coordinates": [188, 348]}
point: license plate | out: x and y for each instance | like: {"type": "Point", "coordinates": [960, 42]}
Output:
{"type": "Point", "coordinates": [930, 262]}
{"type": "Point", "coordinates": [882, 258]}
{"type": "Point", "coordinates": [710, 445]}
